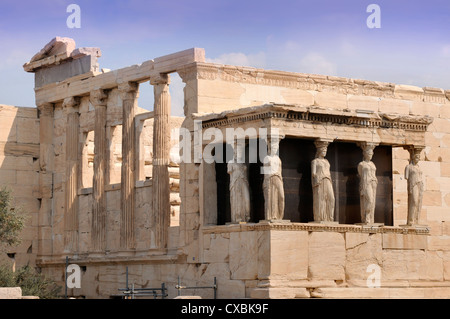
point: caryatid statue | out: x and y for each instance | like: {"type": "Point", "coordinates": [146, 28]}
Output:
{"type": "Point", "coordinates": [413, 175]}
{"type": "Point", "coordinates": [323, 194]}
{"type": "Point", "coordinates": [239, 187]}
{"type": "Point", "coordinates": [368, 183]}
{"type": "Point", "coordinates": [273, 182]}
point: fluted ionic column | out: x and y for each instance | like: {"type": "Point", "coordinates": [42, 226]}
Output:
{"type": "Point", "coordinates": [70, 106]}
{"type": "Point", "coordinates": [46, 154]}
{"type": "Point", "coordinates": [161, 159]}
{"type": "Point", "coordinates": [129, 93]}
{"type": "Point", "coordinates": [98, 235]}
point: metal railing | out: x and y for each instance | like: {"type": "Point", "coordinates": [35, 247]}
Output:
{"type": "Point", "coordinates": [133, 293]}
{"type": "Point", "coordinates": [179, 287]}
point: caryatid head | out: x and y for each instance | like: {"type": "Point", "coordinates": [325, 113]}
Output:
{"type": "Point", "coordinates": [321, 148]}
{"type": "Point", "coordinates": [367, 151]}
{"type": "Point", "coordinates": [415, 155]}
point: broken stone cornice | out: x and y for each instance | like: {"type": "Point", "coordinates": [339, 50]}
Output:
{"type": "Point", "coordinates": [57, 51]}
{"type": "Point", "coordinates": [56, 46]}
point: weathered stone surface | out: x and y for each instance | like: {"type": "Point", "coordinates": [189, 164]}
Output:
{"type": "Point", "coordinates": [216, 247]}
{"type": "Point", "coordinates": [81, 65]}
{"type": "Point", "coordinates": [288, 255]}
{"type": "Point", "coordinates": [56, 46]}
{"type": "Point", "coordinates": [382, 293]}
{"type": "Point", "coordinates": [402, 264]}
{"type": "Point", "coordinates": [326, 255]}
{"type": "Point", "coordinates": [362, 250]}
{"type": "Point", "coordinates": [279, 293]}
{"type": "Point", "coordinates": [404, 241]}
{"type": "Point", "coordinates": [11, 293]}
{"type": "Point", "coordinates": [243, 255]}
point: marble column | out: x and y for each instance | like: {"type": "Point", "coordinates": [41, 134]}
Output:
{"type": "Point", "coordinates": [98, 99]}
{"type": "Point", "coordinates": [161, 159]}
{"type": "Point", "coordinates": [70, 106]}
{"type": "Point", "coordinates": [129, 93]}
{"type": "Point", "coordinates": [45, 111]}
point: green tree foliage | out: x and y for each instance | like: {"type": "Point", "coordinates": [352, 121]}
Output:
{"type": "Point", "coordinates": [31, 282]}
{"type": "Point", "coordinates": [12, 221]}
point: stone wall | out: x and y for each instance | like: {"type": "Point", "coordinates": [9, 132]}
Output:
{"type": "Point", "coordinates": [19, 172]}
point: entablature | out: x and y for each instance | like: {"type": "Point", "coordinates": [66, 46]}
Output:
{"type": "Point", "coordinates": [330, 124]}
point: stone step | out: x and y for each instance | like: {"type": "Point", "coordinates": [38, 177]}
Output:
{"type": "Point", "coordinates": [383, 292]}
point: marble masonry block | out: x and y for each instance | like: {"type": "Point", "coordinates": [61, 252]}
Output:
{"type": "Point", "coordinates": [327, 255]}
{"type": "Point", "coordinates": [11, 293]}
{"type": "Point", "coordinates": [366, 103]}
{"type": "Point", "coordinates": [362, 250]}
{"type": "Point", "coordinates": [216, 247]}
{"type": "Point", "coordinates": [404, 241]}
{"type": "Point", "coordinates": [331, 100]}
{"type": "Point", "coordinates": [389, 105]}
{"type": "Point", "coordinates": [296, 96]}
{"type": "Point", "coordinates": [402, 264]}
{"type": "Point", "coordinates": [288, 254]}
{"type": "Point", "coordinates": [243, 255]}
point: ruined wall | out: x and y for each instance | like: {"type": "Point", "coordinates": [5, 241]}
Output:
{"type": "Point", "coordinates": [19, 172]}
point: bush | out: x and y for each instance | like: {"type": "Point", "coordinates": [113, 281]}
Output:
{"type": "Point", "coordinates": [12, 220]}
{"type": "Point", "coordinates": [31, 282]}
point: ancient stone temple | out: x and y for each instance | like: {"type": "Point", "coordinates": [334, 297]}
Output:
{"type": "Point", "coordinates": [353, 183]}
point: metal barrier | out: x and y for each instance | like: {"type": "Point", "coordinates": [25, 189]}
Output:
{"type": "Point", "coordinates": [179, 287]}
{"type": "Point", "coordinates": [133, 293]}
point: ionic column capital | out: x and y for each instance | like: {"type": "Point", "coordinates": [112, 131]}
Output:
{"type": "Point", "coordinates": [414, 148]}
{"type": "Point", "coordinates": [160, 79]}
{"type": "Point", "coordinates": [367, 145]}
{"type": "Point", "coordinates": [320, 142]}
{"type": "Point", "coordinates": [128, 90]}
{"type": "Point", "coordinates": [71, 103]}
{"type": "Point", "coordinates": [45, 108]}
{"type": "Point", "coordinates": [98, 97]}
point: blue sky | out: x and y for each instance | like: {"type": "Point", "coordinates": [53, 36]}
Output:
{"type": "Point", "coordinates": [325, 37]}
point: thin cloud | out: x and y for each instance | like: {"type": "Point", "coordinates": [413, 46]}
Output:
{"type": "Point", "coordinates": [257, 60]}
{"type": "Point", "coordinates": [317, 64]}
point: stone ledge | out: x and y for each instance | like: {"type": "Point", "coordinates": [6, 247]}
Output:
{"type": "Point", "coordinates": [382, 293]}
{"type": "Point", "coordinates": [11, 293]}
{"type": "Point", "coordinates": [279, 293]}
{"type": "Point", "coordinates": [158, 257]}
{"type": "Point", "coordinates": [14, 293]}
{"type": "Point", "coordinates": [341, 228]}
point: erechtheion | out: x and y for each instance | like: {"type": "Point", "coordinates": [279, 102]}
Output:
{"type": "Point", "coordinates": [95, 173]}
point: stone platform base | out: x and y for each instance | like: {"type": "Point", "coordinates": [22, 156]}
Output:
{"type": "Point", "coordinates": [352, 293]}
{"type": "Point", "coordinates": [383, 293]}
{"type": "Point", "coordinates": [14, 293]}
